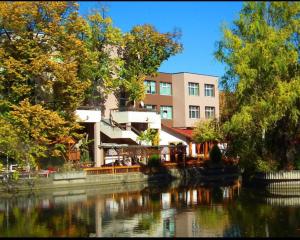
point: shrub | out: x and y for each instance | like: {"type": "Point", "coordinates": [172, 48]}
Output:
{"type": "Point", "coordinates": [215, 154]}
{"type": "Point", "coordinates": [67, 167]}
{"type": "Point", "coordinates": [297, 163]}
{"type": "Point", "coordinates": [265, 166]}
{"type": "Point", "coordinates": [154, 161]}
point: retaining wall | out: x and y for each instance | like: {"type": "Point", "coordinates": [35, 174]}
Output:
{"type": "Point", "coordinates": [79, 179]}
{"type": "Point", "coordinates": [280, 179]}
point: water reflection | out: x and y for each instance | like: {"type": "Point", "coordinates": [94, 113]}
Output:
{"type": "Point", "coordinates": [182, 211]}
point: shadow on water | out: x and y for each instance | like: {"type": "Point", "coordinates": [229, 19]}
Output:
{"type": "Point", "coordinates": [165, 209]}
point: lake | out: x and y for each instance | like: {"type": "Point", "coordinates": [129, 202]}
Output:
{"type": "Point", "coordinates": [156, 210]}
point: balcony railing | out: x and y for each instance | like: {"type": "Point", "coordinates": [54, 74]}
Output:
{"type": "Point", "coordinates": [111, 170]}
{"type": "Point", "coordinates": [133, 109]}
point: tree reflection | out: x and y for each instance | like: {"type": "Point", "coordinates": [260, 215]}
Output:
{"type": "Point", "coordinates": [255, 218]}
{"type": "Point", "coordinates": [24, 224]}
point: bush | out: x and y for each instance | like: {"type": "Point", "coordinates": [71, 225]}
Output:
{"type": "Point", "coordinates": [297, 163]}
{"type": "Point", "coordinates": [52, 162]}
{"type": "Point", "coordinates": [215, 154]}
{"type": "Point", "coordinates": [265, 166]}
{"type": "Point", "coordinates": [67, 167]}
{"type": "Point", "coordinates": [154, 161]}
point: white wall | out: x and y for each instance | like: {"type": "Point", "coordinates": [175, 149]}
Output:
{"type": "Point", "coordinates": [88, 115]}
{"type": "Point", "coordinates": [167, 137]}
{"type": "Point", "coordinates": [138, 117]}
{"type": "Point", "coordinates": [194, 153]}
{"type": "Point", "coordinates": [93, 116]}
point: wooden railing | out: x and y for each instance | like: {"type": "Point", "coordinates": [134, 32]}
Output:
{"type": "Point", "coordinates": [170, 165]}
{"type": "Point", "coordinates": [112, 170]}
{"type": "Point", "coordinates": [138, 168]}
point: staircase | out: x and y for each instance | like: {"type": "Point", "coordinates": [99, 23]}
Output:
{"type": "Point", "coordinates": [115, 130]}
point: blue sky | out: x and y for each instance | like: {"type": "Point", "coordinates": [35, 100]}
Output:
{"type": "Point", "coordinates": [200, 23]}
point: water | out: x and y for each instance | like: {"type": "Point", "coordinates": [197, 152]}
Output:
{"type": "Point", "coordinates": [190, 210]}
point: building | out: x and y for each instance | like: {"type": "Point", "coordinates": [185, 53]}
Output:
{"type": "Point", "coordinates": [182, 99]}
{"type": "Point", "coordinates": [174, 103]}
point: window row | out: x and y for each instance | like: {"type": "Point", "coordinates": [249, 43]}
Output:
{"type": "Point", "coordinates": [209, 89]}
{"type": "Point", "coordinates": [166, 112]}
{"type": "Point", "coordinates": [166, 88]}
{"type": "Point", "coordinates": [194, 112]}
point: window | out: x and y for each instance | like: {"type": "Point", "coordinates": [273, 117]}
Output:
{"type": "Point", "coordinates": [166, 112]}
{"type": "Point", "coordinates": [194, 111]}
{"type": "Point", "coordinates": [150, 87]}
{"type": "Point", "coordinates": [193, 89]}
{"type": "Point", "coordinates": [209, 112]}
{"type": "Point", "coordinates": [209, 90]}
{"type": "Point", "coordinates": [147, 106]}
{"type": "Point", "coordinates": [165, 88]}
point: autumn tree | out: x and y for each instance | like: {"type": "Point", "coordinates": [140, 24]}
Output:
{"type": "Point", "coordinates": [261, 53]}
{"type": "Point", "coordinates": [43, 70]}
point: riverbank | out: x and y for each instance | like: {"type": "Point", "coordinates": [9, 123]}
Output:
{"type": "Point", "coordinates": [79, 179]}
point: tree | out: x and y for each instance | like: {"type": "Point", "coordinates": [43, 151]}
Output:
{"type": "Point", "coordinates": [43, 73]}
{"type": "Point", "coordinates": [123, 60]}
{"type": "Point", "coordinates": [144, 51]}
{"type": "Point", "coordinates": [207, 131]}
{"type": "Point", "coordinates": [150, 136]}
{"type": "Point", "coordinates": [9, 140]}
{"type": "Point", "coordinates": [104, 43]}
{"type": "Point", "coordinates": [40, 132]}
{"type": "Point", "coordinates": [227, 105]}
{"type": "Point", "coordinates": [261, 52]}
{"type": "Point", "coordinates": [42, 55]}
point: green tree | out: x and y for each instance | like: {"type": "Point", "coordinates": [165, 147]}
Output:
{"type": "Point", "coordinates": [9, 140]}
{"type": "Point", "coordinates": [261, 52]}
{"type": "Point", "coordinates": [207, 131]}
{"type": "Point", "coordinates": [144, 51]}
{"type": "Point", "coordinates": [150, 136]}
{"type": "Point", "coordinates": [227, 105]}
{"type": "Point", "coordinates": [104, 42]}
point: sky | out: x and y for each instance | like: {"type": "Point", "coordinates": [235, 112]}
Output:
{"type": "Point", "coordinates": [199, 22]}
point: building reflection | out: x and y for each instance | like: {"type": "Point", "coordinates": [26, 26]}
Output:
{"type": "Point", "coordinates": [182, 211]}
{"type": "Point", "coordinates": [178, 212]}
{"type": "Point", "coordinates": [185, 211]}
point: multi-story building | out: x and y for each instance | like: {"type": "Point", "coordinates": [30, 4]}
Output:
{"type": "Point", "coordinates": [183, 98]}
{"type": "Point", "coordinates": [174, 103]}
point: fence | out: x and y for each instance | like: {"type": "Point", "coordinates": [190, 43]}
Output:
{"type": "Point", "coordinates": [112, 170]}
{"type": "Point", "coordinates": [282, 175]}
{"type": "Point", "coordinates": [136, 168]}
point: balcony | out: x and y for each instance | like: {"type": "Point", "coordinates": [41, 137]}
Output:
{"type": "Point", "coordinates": [136, 115]}
{"type": "Point", "coordinates": [88, 116]}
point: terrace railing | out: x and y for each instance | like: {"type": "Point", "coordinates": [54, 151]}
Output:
{"type": "Point", "coordinates": [132, 109]}
{"type": "Point", "coordinates": [112, 170]}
